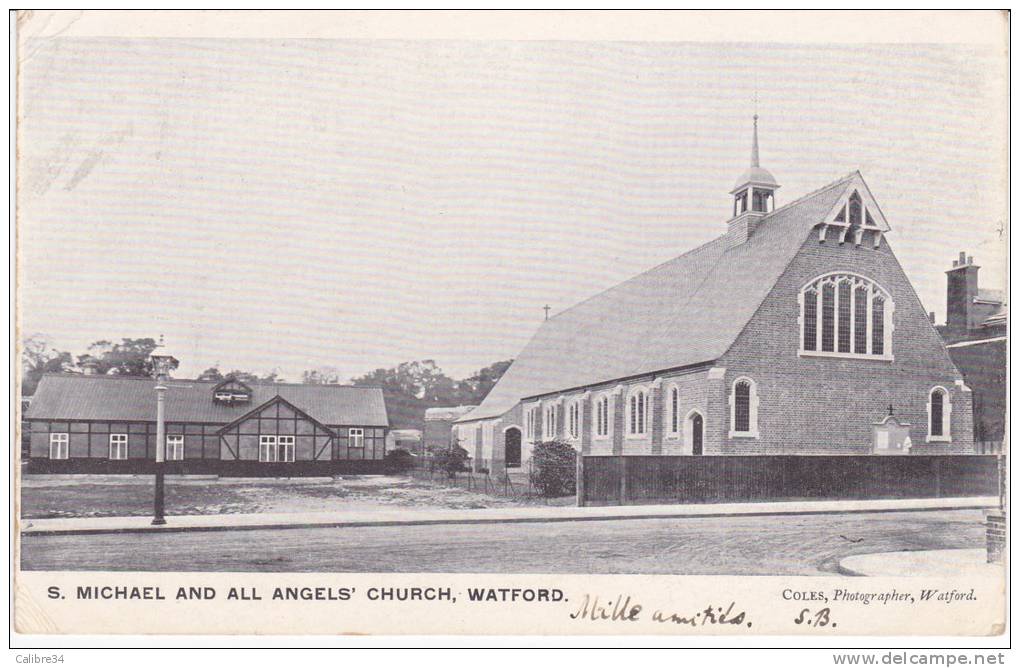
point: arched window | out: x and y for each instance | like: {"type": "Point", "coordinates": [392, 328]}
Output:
{"type": "Point", "coordinates": [637, 412]}
{"type": "Point", "coordinates": [673, 397]}
{"type": "Point", "coordinates": [574, 419]}
{"type": "Point", "coordinates": [939, 411]}
{"type": "Point", "coordinates": [549, 424]}
{"type": "Point", "coordinates": [601, 416]}
{"type": "Point", "coordinates": [744, 408]}
{"type": "Point", "coordinates": [845, 315]}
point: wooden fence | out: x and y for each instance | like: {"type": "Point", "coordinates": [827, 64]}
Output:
{"type": "Point", "coordinates": [635, 480]}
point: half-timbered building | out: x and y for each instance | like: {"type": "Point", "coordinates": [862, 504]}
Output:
{"type": "Point", "coordinates": [97, 423]}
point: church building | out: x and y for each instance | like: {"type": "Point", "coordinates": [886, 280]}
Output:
{"type": "Point", "coordinates": [795, 332]}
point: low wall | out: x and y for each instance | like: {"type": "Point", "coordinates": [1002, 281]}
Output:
{"type": "Point", "coordinates": [221, 467]}
{"type": "Point", "coordinates": [626, 480]}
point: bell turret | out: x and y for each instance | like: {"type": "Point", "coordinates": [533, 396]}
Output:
{"type": "Point", "coordinates": [753, 195]}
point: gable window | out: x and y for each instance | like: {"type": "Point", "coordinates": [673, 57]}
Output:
{"type": "Point", "coordinates": [118, 446]}
{"type": "Point", "coordinates": [845, 315]}
{"type": "Point", "coordinates": [549, 425]}
{"type": "Point", "coordinates": [939, 410]}
{"type": "Point", "coordinates": [355, 437]}
{"type": "Point", "coordinates": [174, 447]}
{"type": "Point", "coordinates": [601, 414]}
{"type": "Point", "coordinates": [58, 446]}
{"type": "Point", "coordinates": [267, 448]}
{"type": "Point", "coordinates": [574, 420]}
{"type": "Point", "coordinates": [637, 412]}
{"type": "Point", "coordinates": [855, 209]}
{"type": "Point", "coordinates": [674, 410]}
{"type": "Point", "coordinates": [744, 409]}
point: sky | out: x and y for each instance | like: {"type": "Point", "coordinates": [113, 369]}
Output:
{"type": "Point", "coordinates": [293, 204]}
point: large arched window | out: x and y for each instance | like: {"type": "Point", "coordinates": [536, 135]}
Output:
{"type": "Point", "coordinates": [637, 412]}
{"type": "Point", "coordinates": [744, 408]}
{"type": "Point", "coordinates": [601, 416]}
{"type": "Point", "coordinates": [845, 315]}
{"type": "Point", "coordinates": [939, 411]}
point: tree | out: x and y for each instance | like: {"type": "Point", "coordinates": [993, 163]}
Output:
{"type": "Point", "coordinates": [249, 377]}
{"type": "Point", "coordinates": [324, 375]}
{"type": "Point", "coordinates": [212, 373]}
{"type": "Point", "coordinates": [473, 389]}
{"type": "Point", "coordinates": [130, 357]}
{"type": "Point", "coordinates": [38, 356]}
{"type": "Point", "coordinates": [554, 468]}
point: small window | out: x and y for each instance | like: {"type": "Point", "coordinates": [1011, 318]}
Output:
{"type": "Point", "coordinates": [355, 436]}
{"type": "Point", "coordinates": [574, 420]}
{"type": "Point", "coordinates": [531, 423]}
{"type": "Point", "coordinates": [174, 448]}
{"type": "Point", "coordinates": [285, 448]}
{"type": "Point", "coordinates": [118, 446]}
{"type": "Point", "coordinates": [637, 413]}
{"type": "Point", "coordinates": [674, 410]}
{"type": "Point", "coordinates": [267, 448]}
{"type": "Point", "coordinates": [744, 409]}
{"type": "Point", "coordinates": [549, 425]}
{"type": "Point", "coordinates": [939, 411]}
{"type": "Point", "coordinates": [58, 446]}
{"type": "Point", "coordinates": [602, 416]}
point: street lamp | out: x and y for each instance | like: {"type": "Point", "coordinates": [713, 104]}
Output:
{"type": "Point", "coordinates": [161, 365]}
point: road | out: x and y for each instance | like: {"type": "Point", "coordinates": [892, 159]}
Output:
{"type": "Point", "coordinates": [781, 545]}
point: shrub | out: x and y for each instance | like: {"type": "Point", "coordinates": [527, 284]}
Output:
{"type": "Point", "coordinates": [554, 468]}
{"type": "Point", "coordinates": [451, 460]}
{"type": "Point", "coordinates": [400, 460]}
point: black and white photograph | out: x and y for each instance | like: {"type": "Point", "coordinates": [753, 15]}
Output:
{"type": "Point", "coordinates": [477, 324]}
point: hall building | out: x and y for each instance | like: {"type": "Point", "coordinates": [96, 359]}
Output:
{"type": "Point", "coordinates": [794, 332]}
{"type": "Point", "coordinates": [107, 424]}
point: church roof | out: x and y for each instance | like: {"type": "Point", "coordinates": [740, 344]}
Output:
{"type": "Point", "coordinates": [683, 312]}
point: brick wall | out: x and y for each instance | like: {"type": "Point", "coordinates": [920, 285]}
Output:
{"type": "Point", "coordinates": [995, 533]}
{"type": "Point", "coordinates": [815, 405]}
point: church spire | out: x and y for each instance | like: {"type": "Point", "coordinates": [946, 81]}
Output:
{"type": "Point", "coordinates": [754, 144]}
{"type": "Point", "coordinates": [755, 188]}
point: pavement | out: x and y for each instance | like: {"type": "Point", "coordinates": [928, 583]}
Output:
{"type": "Point", "coordinates": [422, 516]}
{"type": "Point", "coordinates": [922, 563]}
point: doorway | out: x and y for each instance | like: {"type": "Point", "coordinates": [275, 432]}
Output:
{"type": "Point", "coordinates": [696, 431]}
{"type": "Point", "coordinates": [512, 448]}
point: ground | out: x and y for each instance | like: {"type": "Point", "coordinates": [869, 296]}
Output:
{"type": "Point", "coordinates": [110, 496]}
{"type": "Point", "coordinates": [777, 545]}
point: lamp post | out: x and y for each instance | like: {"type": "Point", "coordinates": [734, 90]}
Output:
{"type": "Point", "coordinates": [161, 364]}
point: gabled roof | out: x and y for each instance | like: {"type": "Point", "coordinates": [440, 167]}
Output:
{"type": "Point", "coordinates": [75, 397]}
{"type": "Point", "coordinates": [231, 381]}
{"type": "Point", "coordinates": [275, 400]}
{"type": "Point", "coordinates": [684, 312]}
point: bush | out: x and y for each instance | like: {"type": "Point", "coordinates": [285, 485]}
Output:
{"type": "Point", "coordinates": [451, 460]}
{"type": "Point", "coordinates": [554, 468]}
{"type": "Point", "coordinates": [400, 460]}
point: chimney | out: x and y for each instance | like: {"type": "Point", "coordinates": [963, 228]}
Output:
{"type": "Point", "coordinates": [961, 289]}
